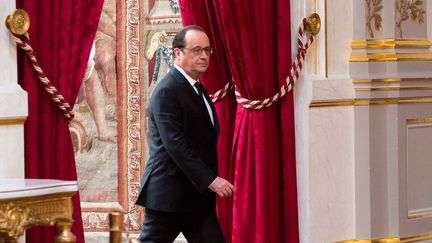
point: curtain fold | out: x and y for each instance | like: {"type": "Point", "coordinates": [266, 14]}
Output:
{"type": "Point", "coordinates": [257, 41]}
{"type": "Point", "coordinates": [216, 77]}
{"type": "Point", "coordinates": [288, 177]}
{"type": "Point", "coordinates": [61, 34]}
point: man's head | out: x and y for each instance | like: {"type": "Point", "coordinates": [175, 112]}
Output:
{"type": "Point", "coordinates": [192, 50]}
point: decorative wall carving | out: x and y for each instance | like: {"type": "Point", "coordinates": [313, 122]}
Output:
{"type": "Point", "coordinates": [408, 9]}
{"type": "Point", "coordinates": [374, 8]}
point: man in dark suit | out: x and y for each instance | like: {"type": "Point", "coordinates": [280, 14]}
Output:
{"type": "Point", "coordinates": [180, 181]}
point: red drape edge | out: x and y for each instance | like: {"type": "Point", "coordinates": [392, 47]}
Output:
{"type": "Point", "coordinates": [61, 34]}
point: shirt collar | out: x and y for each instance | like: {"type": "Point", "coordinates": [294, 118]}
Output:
{"type": "Point", "coordinates": [189, 78]}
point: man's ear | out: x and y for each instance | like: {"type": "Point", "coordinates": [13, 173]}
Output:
{"type": "Point", "coordinates": [177, 52]}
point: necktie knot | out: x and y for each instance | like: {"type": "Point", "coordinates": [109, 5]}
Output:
{"type": "Point", "coordinates": [199, 88]}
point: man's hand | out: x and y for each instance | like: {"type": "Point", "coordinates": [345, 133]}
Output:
{"type": "Point", "coordinates": [222, 187]}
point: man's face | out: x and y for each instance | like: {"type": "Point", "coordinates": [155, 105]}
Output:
{"type": "Point", "coordinates": [191, 61]}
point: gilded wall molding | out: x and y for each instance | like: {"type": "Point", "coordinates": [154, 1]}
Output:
{"type": "Point", "coordinates": [387, 84]}
{"type": "Point", "coordinates": [390, 80]}
{"type": "Point", "coordinates": [12, 121]}
{"type": "Point", "coordinates": [365, 102]}
{"type": "Point", "coordinates": [390, 43]}
{"type": "Point", "coordinates": [325, 39]}
{"type": "Point", "coordinates": [382, 240]}
{"type": "Point", "coordinates": [408, 239]}
{"type": "Point", "coordinates": [390, 57]}
{"type": "Point", "coordinates": [393, 88]}
{"type": "Point", "coordinates": [354, 241]}
{"type": "Point", "coordinates": [420, 216]}
{"type": "Point", "coordinates": [419, 120]}
{"type": "Point", "coordinates": [416, 238]}
{"type": "Point", "coordinates": [373, 17]}
{"type": "Point", "coordinates": [408, 9]}
{"type": "Point", "coordinates": [315, 43]}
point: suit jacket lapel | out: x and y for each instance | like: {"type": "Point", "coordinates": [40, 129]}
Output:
{"type": "Point", "coordinates": [198, 100]}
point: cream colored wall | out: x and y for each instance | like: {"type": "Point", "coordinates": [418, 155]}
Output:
{"type": "Point", "coordinates": [363, 157]}
{"type": "Point", "coordinates": [324, 136]}
{"type": "Point", "coordinates": [13, 104]}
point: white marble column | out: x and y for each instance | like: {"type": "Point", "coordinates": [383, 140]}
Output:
{"type": "Point", "coordinates": [13, 103]}
{"type": "Point", "coordinates": [325, 135]}
{"type": "Point", "coordinates": [391, 66]}
{"type": "Point", "coordinates": [363, 128]}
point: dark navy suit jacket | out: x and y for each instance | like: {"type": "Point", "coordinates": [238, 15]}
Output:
{"type": "Point", "coordinates": [182, 142]}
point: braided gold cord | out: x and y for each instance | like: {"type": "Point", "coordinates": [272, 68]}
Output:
{"type": "Point", "coordinates": [60, 101]}
{"type": "Point", "coordinates": [292, 78]}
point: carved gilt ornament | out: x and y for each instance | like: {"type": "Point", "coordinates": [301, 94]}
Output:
{"type": "Point", "coordinates": [408, 9]}
{"type": "Point", "coordinates": [374, 8]}
{"type": "Point", "coordinates": [13, 219]}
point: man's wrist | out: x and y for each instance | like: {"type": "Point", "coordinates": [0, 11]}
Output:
{"type": "Point", "coordinates": [214, 181]}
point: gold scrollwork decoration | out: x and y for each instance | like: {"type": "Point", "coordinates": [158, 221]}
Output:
{"type": "Point", "coordinates": [19, 214]}
{"type": "Point", "coordinates": [18, 22]}
{"type": "Point", "coordinates": [406, 9]}
{"type": "Point", "coordinates": [374, 8]}
{"type": "Point", "coordinates": [13, 220]}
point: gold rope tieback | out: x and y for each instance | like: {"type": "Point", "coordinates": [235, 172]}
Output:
{"type": "Point", "coordinates": [18, 23]}
{"type": "Point", "coordinates": [293, 76]}
{"type": "Point", "coordinates": [312, 25]}
{"type": "Point", "coordinates": [220, 94]}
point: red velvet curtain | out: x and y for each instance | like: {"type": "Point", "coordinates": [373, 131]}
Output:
{"type": "Point", "coordinates": [61, 34]}
{"type": "Point", "coordinates": [256, 37]}
{"type": "Point", "coordinates": [216, 77]}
